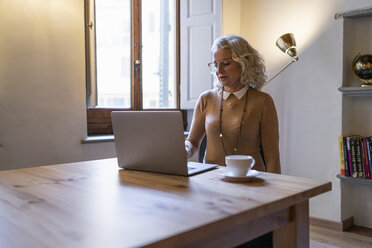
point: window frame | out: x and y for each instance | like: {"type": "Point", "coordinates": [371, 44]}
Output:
{"type": "Point", "coordinates": [99, 119]}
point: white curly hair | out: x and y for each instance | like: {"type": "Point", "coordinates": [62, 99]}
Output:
{"type": "Point", "coordinates": [251, 62]}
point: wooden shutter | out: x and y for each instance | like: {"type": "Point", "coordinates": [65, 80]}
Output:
{"type": "Point", "coordinates": [200, 26]}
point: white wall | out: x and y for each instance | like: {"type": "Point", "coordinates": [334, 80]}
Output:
{"type": "Point", "coordinates": [42, 84]}
{"type": "Point", "coordinates": [306, 95]}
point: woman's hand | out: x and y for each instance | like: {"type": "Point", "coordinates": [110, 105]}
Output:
{"type": "Point", "coordinates": [190, 149]}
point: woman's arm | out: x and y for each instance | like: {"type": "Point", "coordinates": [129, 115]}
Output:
{"type": "Point", "coordinates": [197, 129]}
{"type": "Point", "coordinates": [270, 136]}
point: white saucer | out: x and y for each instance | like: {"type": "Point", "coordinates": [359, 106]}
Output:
{"type": "Point", "coordinates": [251, 174]}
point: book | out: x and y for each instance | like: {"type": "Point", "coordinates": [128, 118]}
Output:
{"type": "Point", "coordinates": [342, 156]}
{"type": "Point", "coordinates": [351, 156]}
{"type": "Point", "coordinates": [365, 159]}
{"type": "Point", "coordinates": [369, 152]}
{"type": "Point", "coordinates": [358, 157]}
{"type": "Point", "coordinates": [346, 157]}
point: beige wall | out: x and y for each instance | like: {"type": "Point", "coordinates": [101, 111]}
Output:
{"type": "Point", "coordinates": [306, 95]}
{"type": "Point", "coordinates": [42, 84]}
{"type": "Point", "coordinates": [231, 16]}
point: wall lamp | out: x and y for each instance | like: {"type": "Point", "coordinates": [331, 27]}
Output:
{"type": "Point", "coordinates": [287, 44]}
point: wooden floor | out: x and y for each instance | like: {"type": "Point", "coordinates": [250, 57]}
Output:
{"type": "Point", "coordinates": [326, 238]}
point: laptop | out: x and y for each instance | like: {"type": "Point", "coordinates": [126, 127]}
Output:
{"type": "Point", "coordinates": [153, 141]}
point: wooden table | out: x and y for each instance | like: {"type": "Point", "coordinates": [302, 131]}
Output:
{"type": "Point", "coordinates": [96, 204]}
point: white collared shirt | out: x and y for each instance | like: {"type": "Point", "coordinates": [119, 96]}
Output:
{"type": "Point", "coordinates": [239, 94]}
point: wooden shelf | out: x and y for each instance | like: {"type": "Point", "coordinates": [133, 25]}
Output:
{"type": "Point", "coordinates": [356, 91]}
{"type": "Point", "coordinates": [355, 180]}
{"type": "Point", "coordinates": [355, 13]}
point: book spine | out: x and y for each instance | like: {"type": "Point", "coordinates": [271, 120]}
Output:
{"type": "Point", "coordinates": [342, 157]}
{"type": "Point", "coordinates": [358, 157]}
{"type": "Point", "coordinates": [369, 152]}
{"type": "Point", "coordinates": [365, 158]}
{"type": "Point", "coordinates": [349, 156]}
{"type": "Point", "coordinates": [346, 157]}
{"type": "Point", "coordinates": [352, 155]}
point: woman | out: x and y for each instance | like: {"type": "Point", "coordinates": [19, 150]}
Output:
{"type": "Point", "coordinates": [236, 117]}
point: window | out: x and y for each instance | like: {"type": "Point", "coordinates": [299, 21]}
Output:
{"type": "Point", "coordinates": [132, 58]}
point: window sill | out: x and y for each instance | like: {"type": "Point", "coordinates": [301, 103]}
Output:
{"type": "Point", "coordinates": [98, 139]}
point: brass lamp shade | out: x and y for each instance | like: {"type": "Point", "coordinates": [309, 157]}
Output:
{"type": "Point", "coordinates": [287, 44]}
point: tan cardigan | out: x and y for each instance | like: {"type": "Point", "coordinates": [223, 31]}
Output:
{"type": "Point", "coordinates": [260, 126]}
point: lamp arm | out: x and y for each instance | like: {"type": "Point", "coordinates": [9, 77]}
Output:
{"type": "Point", "coordinates": [294, 59]}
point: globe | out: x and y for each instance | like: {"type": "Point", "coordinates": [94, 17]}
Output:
{"type": "Point", "coordinates": [362, 68]}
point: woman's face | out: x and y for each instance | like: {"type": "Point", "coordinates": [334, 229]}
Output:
{"type": "Point", "coordinates": [228, 70]}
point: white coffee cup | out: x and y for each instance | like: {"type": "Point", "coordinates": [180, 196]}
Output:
{"type": "Point", "coordinates": [239, 165]}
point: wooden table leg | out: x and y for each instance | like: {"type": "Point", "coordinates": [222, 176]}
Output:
{"type": "Point", "coordinates": [296, 233]}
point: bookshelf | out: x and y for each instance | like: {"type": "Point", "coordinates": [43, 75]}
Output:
{"type": "Point", "coordinates": [356, 107]}
{"type": "Point", "coordinates": [356, 100]}
{"type": "Point", "coordinates": [356, 39]}
{"type": "Point", "coordinates": [355, 180]}
{"type": "Point", "coordinates": [356, 91]}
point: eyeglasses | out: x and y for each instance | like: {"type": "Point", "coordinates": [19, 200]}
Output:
{"type": "Point", "coordinates": [225, 63]}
